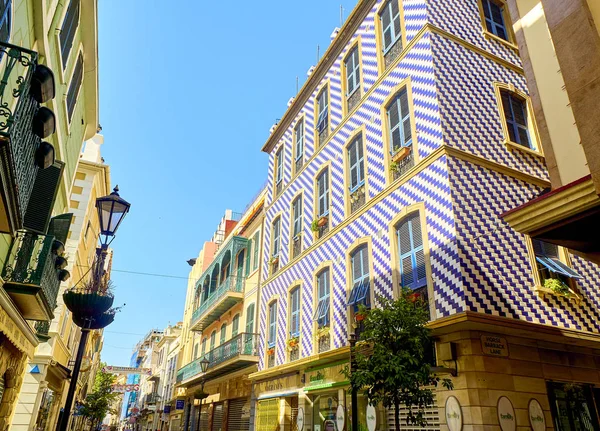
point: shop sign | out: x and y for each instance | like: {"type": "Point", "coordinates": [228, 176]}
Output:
{"type": "Point", "coordinates": [339, 418]}
{"type": "Point", "coordinates": [179, 404]}
{"type": "Point", "coordinates": [454, 417]}
{"type": "Point", "coordinates": [300, 419]}
{"type": "Point", "coordinates": [127, 370]}
{"type": "Point", "coordinates": [537, 420]}
{"type": "Point", "coordinates": [280, 384]}
{"type": "Point", "coordinates": [371, 418]}
{"type": "Point", "coordinates": [494, 346]}
{"type": "Point", "coordinates": [506, 415]}
{"type": "Point", "coordinates": [325, 376]}
{"type": "Point", "coordinates": [167, 409]}
{"type": "Point", "coordinates": [124, 388]}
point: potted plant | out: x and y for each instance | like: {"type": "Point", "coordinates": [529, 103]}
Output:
{"type": "Point", "coordinates": [400, 154]}
{"type": "Point", "coordinates": [293, 342]}
{"type": "Point", "coordinates": [322, 221]}
{"type": "Point", "coordinates": [271, 351]}
{"type": "Point", "coordinates": [323, 331]}
{"type": "Point", "coordinates": [314, 226]}
{"type": "Point", "coordinates": [274, 260]}
{"type": "Point", "coordinates": [557, 286]}
{"type": "Point", "coordinates": [360, 316]}
{"type": "Point", "coordinates": [200, 395]}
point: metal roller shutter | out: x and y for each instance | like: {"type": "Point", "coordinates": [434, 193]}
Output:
{"type": "Point", "coordinates": [238, 418]}
{"type": "Point", "coordinates": [204, 418]}
{"type": "Point", "coordinates": [267, 415]}
{"type": "Point", "coordinates": [217, 423]}
{"type": "Point", "coordinates": [431, 415]}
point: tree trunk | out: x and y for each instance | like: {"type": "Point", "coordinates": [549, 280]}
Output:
{"type": "Point", "coordinates": [397, 414]}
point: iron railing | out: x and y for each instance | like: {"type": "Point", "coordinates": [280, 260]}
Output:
{"type": "Point", "coordinates": [32, 261]}
{"type": "Point", "coordinates": [18, 143]}
{"type": "Point", "coordinates": [357, 198]}
{"type": "Point", "coordinates": [230, 284]}
{"type": "Point", "coordinates": [324, 343]}
{"type": "Point", "coordinates": [297, 246]}
{"type": "Point", "coordinates": [42, 328]}
{"type": "Point", "coordinates": [152, 398]}
{"type": "Point", "coordinates": [403, 166]}
{"type": "Point", "coordinates": [242, 344]}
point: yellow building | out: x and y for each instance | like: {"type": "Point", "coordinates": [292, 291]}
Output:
{"type": "Point", "coordinates": [560, 46]}
{"type": "Point", "coordinates": [221, 312]}
{"type": "Point", "coordinates": [46, 381]}
{"type": "Point", "coordinates": [37, 170]}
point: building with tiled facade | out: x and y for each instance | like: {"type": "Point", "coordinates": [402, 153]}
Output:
{"type": "Point", "coordinates": [220, 325]}
{"type": "Point", "coordinates": [392, 167]}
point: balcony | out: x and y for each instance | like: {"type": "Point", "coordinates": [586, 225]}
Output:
{"type": "Point", "coordinates": [229, 293]}
{"type": "Point", "coordinates": [237, 353]}
{"type": "Point", "coordinates": [152, 398]}
{"type": "Point", "coordinates": [31, 276]}
{"type": "Point", "coordinates": [18, 143]}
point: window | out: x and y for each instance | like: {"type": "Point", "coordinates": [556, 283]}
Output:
{"type": "Point", "coordinates": [297, 217]}
{"type": "Point", "coordinates": [235, 325]}
{"type": "Point", "coordinates": [74, 86]}
{"type": "Point", "coordinates": [412, 255]}
{"type": "Point", "coordinates": [549, 264]}
{"type": "Point", "coordinates": [223, 334]}
{"type": "Point", "coordinates": [279, 170]}
{"type": "Point", "coordinates": [515, 114]}
{"type": "Point", "coordinates": [213, 340]}
{"type": "Point", "coordinates": [323, 193]}
{"type": "Point", "coordinates": [399, 127]}
{"type": "Point", "coordinates": [295, 312]}
{"type": "Point", "coordinates": [195, 351]}
{"type": "Point", "coordinates": [203, 346]}
{"type": "Point", "coordinates": [256, 243]}
{"type": "Point", "coordinates": [493, 12]}
{"type": "Point", "coordinates": [323, 111]}
{"type": "Point", "coordinates": [250, 319]}
{"type": "Point", "coordinates": [299, 146]}
{"type": "Point", "coordinates": [5, 19]}
{"type": "Point", "coordinates": [322, 314]}
{"type": "Point", "coordinates": [276, 237]}
{"type": "Point", "coordinates": [272, 324]}
{"type": "Point", "coordinates": [67, 32]}
{"type": "Point", "coordinates": [390, 24]}
{"type": "Point", "coordinates": [359, 265]}
{"type": "Point", "coordinates": [356, 163]}
{"type": "Point", "coordinates": [352, 72]}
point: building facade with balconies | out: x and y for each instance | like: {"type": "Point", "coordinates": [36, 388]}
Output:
{"type": "Point", "coordinates": [391, 169]}
{"type": "Point", "coordinates": [224, 296]}
{"type": "Point", "coordinates": [49, 97]}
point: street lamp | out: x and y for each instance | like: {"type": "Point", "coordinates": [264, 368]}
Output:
{"type": "Point", "coordinates": [91, 307]}
{"type": "Point", "coordinates": [354, 393]}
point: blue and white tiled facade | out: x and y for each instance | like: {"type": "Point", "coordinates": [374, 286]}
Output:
{"type": "Point", "coordinates": [477, 262]}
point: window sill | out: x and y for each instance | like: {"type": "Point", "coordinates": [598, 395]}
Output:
{"type": "Point", "coordinates": [511, 146]}
{"type": "Point", "coordinates": [543, 291]}
{"type": "Point", "coordinates": [504, 42]}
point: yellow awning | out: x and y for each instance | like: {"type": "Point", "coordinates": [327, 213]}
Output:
{"type": "Point", "coordinates": [15, 335]}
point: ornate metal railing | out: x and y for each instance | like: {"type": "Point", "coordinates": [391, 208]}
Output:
{"type": "Point", "coordinates": [294, 353]}
{"type": "Point", "coordinates": [401, 167]}
{"type": "Point", "coordinates": [18, 143]}
{"type": "Point", "coordinates": [152, 398]}
{"type": "Point", "coordinates": [42, 329]}
{"type": "Point", "coordinates": [324, 343]}
{"type": "Point", "coordinates": [32, 261]}
{"type": "Point", "coordinates": [299, 164]}
{"type": "Point", "coordinates": [231, 284]}
{"type": "Point", "coordinates": [297, 246]}
{"type": "Point", "coordinates": [357, 198]}
{"type": "Point", "coordinates": [242, 344]}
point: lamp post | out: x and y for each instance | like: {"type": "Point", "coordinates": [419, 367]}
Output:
{"type": "Point", "coordinates": [354, 394]}
{"type": "Point", "coordinates": [199, 395]}
{"type": "Point", "coordinates": [90, 308]}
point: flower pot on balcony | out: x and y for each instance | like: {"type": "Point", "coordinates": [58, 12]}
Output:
{"type": "Point", "coordinates": [414, 297]}
{"type": "Point", "coordinates": [275, 261]}
{"type": "Point", "coordinates": [359, 317]}
{"type": "Point", "coordinates": [63, 275]}
{"type": "Point", "coordinates": [42, 84]}
{"type": "Point", "coordinates": [44, 155]}
{"type": "Point", "coordinates": [400, 154]}
{"type": "Point", "coordinates": [44, 122]}
{"type": "Point", "coordinates": [60, 263]}
{"type": "Point", "coordinates": [87, 303]}
{"type": "Point", "coordinates": [322, 221]}
{"type": "Point", "coordinates": [314, 226]}
{"type": "Point", "coordinates": [271, 351]}
{"type": "Point", "coordinates": [293, 342]}
{"type": "Point", "coordinates": [58, 247]}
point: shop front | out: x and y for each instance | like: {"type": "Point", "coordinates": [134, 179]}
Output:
{"type": "Point", "coordinates": [278, 402]}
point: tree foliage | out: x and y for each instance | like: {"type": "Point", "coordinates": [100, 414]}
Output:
{"type": "Point", "coordinates": [98, 403]}
{"type": "Point", "coordinates": [392, 357]}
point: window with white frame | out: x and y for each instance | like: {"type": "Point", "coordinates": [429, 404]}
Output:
{"type": "Point", "coordinates": [279, 170]}
{"type": "Point", "coordinates": [272, 324]}
{"type": "Point", "coordinates": [299, 137]}
{"type": "Point", "coordinates": [323, 193]}
{"type": "Point", "coordinates": [352, 66]}
{"type": "Point", "coordinates": [361, 280]}
{"type": "Point", "coordinates": [391, 32]}
{"type": "Point", "coordinates": [322, 313]}
{"type": "Point", "coordinates": [411, 252]}
{"type": "Point", "coordinates": [276, 239]}
{"type": "Point", "coordinates": [323, 111]}
{"type": "Point", "coordinates": [356, 163]}
{"type": "Point", "coordinates": [399, 122]}
{"type": "Point", "coordinates": [295, 312]}
{"type": "Point", "coordinates": [297, 217]}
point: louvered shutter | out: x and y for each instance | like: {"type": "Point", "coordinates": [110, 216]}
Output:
{"type": "Point", "coordinates": [67, 32]}
{"type": "Point", "coordinates": [387, 28]}
{"type": "Point", "coordinates": [256, 244]}
{"type": "Point", "coordinates": [352, 152]}
{"type": "Point", "coordinates": [204, 418]}
{"type": "Point", "coordinates": [361, 162]}
{"type": "Point", "coordinates": [250, 319]}
{"type": "Point", "coordinates": [356, 68]}
{"type": "Point", "coordinates": [238, 416]}
{"type": "Point", "coordinates": [396, 19]}
{"type": "Point", "coordinates": [74, 86]}
{"type": "Point", "coordinates": [59, 226]}
{"type": "Point", "coordinates": [43, 196]}
{"type": "Point", "coordinates": [5, 19]}
{"type": "Point", "coordinates": [235, 325]}
{"type": "Point", "coordinates": [405, 115]}
{"type": "Point", "coordinates": [248, 256]}
{"type": "Point", "coordinates": [394, 124]}
{"type": "Point", "coordinates": [217, 422]}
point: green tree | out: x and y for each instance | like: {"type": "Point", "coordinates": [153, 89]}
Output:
{"type": "Point", "coordinates": [98, 403]}
{"type": "Point", "coordinates": [391, 358]}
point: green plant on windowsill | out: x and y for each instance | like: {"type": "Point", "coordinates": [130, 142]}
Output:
{"type": "Point", "coordinates": [314, 226]}
{"type": "Point", "coordinates": [394, 167]}
{"type": "Point", "coordinates": [293, 342]}
{"type": "Point", "coordinates": [322, 331]}
{"type": "Point", "coordinates": [557, 286]}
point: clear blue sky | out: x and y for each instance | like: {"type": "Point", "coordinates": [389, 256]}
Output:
{"type": "Point", "coordinates": [188, 92]}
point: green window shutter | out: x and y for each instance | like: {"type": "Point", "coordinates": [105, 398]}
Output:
{"type": "Point", "coordinates": [59, 226]}
{"type": "Point", "coordinates": [43, 196]}
{"type": "Point", "coordinates": [248, 255]}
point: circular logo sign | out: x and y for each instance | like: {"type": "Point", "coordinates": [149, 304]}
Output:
{"type": "Point", "coordinates": [300, 419]}
{"type": "Point", "coordinates": [454, 417]}
{"type": "Point", "coordinates": [537, 420]}
{"type": "Point", "coordinates": [506, 415]}
{"type": "Point", "coordinates": [339, 418]}
{"type": "Point", "coordinates": [371, 418]}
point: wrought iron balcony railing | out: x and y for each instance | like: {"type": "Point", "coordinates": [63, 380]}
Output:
{"type": "Point", "coordinates": [18, 143]}
{"type": "Point", "coordinates": [244, 344]}
{"type": "Point", "coordinates": [152, 398]}
{"type": "Point", "coordinates": [31, 276]}
{"type": "Point", "coordinates": [231, 284]}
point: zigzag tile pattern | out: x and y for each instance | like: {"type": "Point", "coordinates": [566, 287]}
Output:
{"type": "Point", "coordinates": [496, 266]}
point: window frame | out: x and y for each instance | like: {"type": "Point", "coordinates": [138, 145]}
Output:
{"type": "Point", "coordinates": [357, 43]}
{"type": "Point", "coordinates": [297, 217]}
{"type": "Point", "coordinates": [299, 123]}
{"type": "Point", "coordinates": [381, 52]}
{"type": "Point", "coordinates": [387, 138]}
{"type": "Point", "coordinates": [251, 315]}
{"type": "Point", "coordinates": [317, 196]}
{"type": "Point", "coordinates": [278, 169]}
{"type": "Point", "coordinates": [273, 242]}
{"type": "Point", "coordinates": [64, 62]}
{"type": "Point", "coordinates": [417, 283]}
{"type": "Point", "coordinates": [360, 244]}
{"type": "Point", "coordinates": [223, 334]}
{"type": "Point", "coordinates": [272, 323]}
{"type": "Point", "coordinates": [535, 149]}
{"type": "Point", "coordinates": [360, 132]}
{"type": "Point", "coordinates": [256, 252]}
{"type": "Point", "coordinates": [296, 288]}
{"type": "Point", "coordinates": [318, 301]}
{"type": "Point", "coordinates": [325, 87]}
{"type": "Point", "coordinates": [510, 40]}
{"type": "Point", "coordinates": [69, 115]}
{"type": "Point", "coordinates": [357, 83]}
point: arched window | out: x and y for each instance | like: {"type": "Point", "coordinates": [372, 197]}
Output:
{"type": "Point", "coordinates": [235, 325]}
{"type": "Point", "coordinates": [213, 340]}
{"type": "Point", "coordinates": [223, 334]}
{"type": "Point", "coordinates": [410, 251]}
{"type": "Point", "coordinates": [250, 319]}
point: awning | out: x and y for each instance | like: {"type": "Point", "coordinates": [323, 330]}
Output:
{"type": "Point", "coordinates": [15, 335]}
{"type": "Point", "coordinates": [278, 394]}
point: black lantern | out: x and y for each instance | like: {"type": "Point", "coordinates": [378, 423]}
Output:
{"type": "Point", "coordinates": [111, 211]}
{"type": "Point", "coordinates": [204, 363]}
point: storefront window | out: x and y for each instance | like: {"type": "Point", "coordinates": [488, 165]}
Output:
{"type": "Point", "coordinates": [324, 410]}
{"type": "Point", "coordinates": [44, 413]}
{"type": "Point", "coordinates": [572, 407]}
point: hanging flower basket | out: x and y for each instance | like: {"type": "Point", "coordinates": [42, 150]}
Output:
{"type": "Point", "coordinates": [94, 321]}
{"type": "Point", "coordinates": [87, 303]}
{"type": "Point", "coordinates": [200, 395]}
